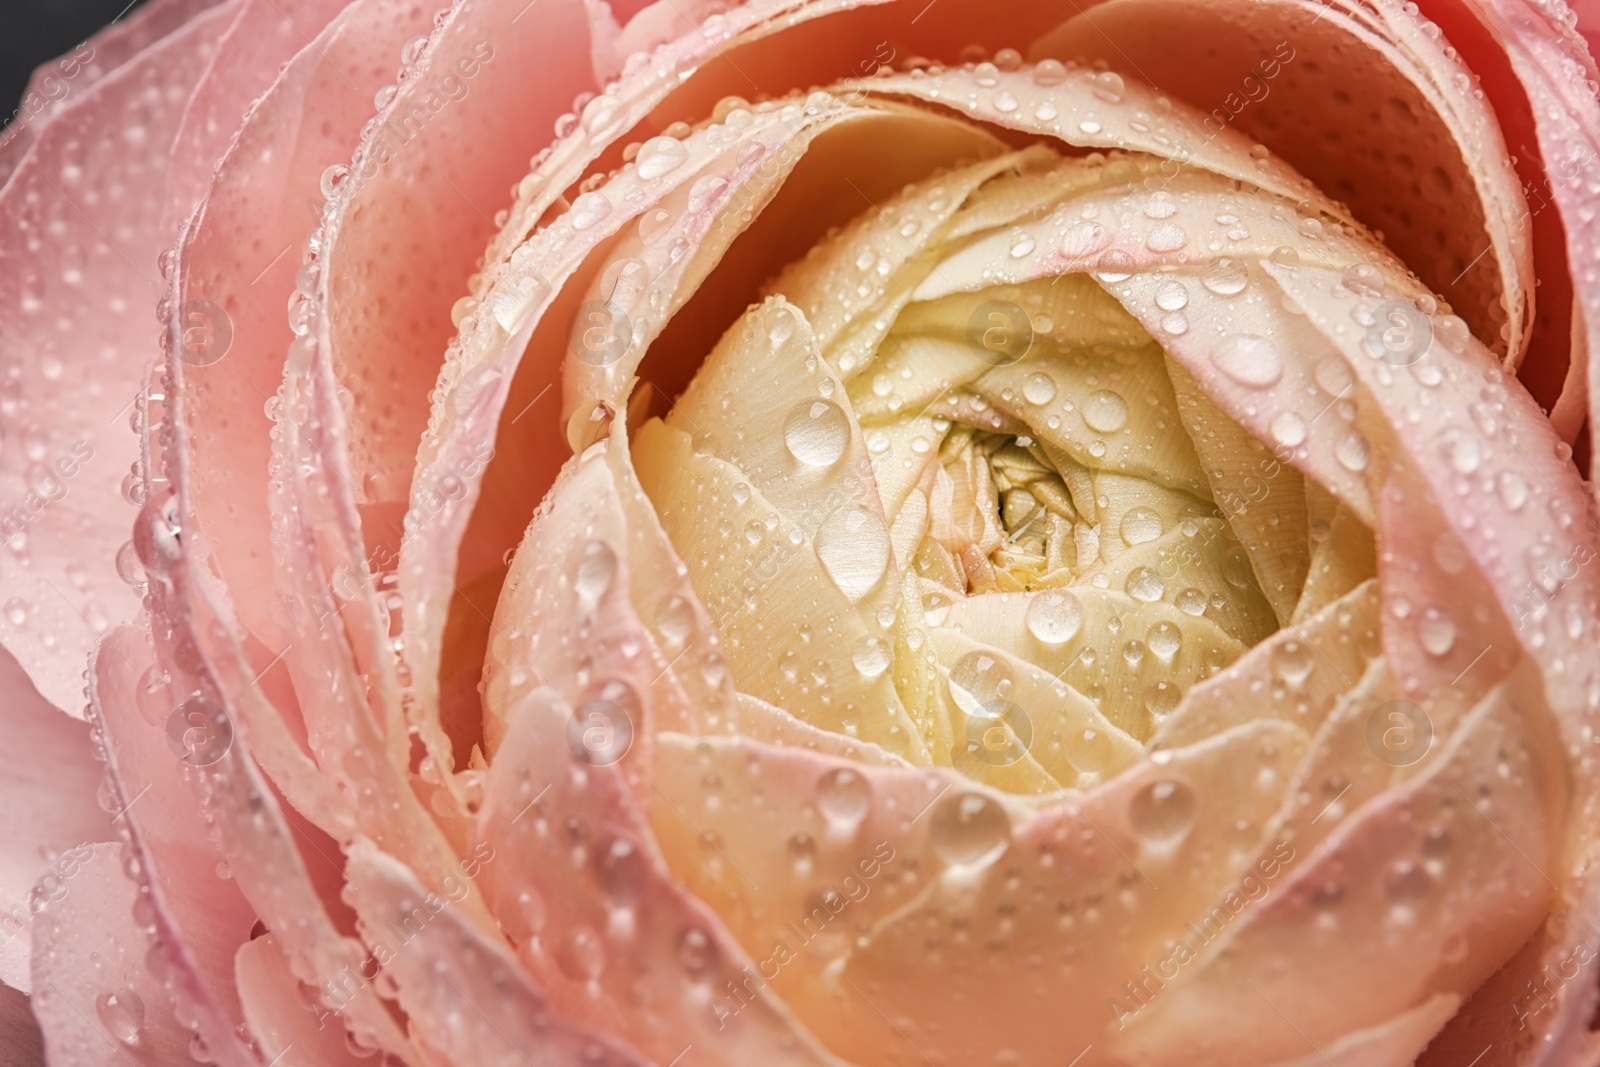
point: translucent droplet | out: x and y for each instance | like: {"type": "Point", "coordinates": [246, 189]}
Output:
{"type": "Point", "coordinates": [844, 797]}
{"type": "Point", "coordinates": [16, 611]}
{"type": "Point", "coordinates": [596, 571]}
{"type": "Point", "coordinates": [661, 155]}
{"type": "Point", "coordinates": [1140, 525]}
{"type": "Point", "coordinates": [1289, 429]}
{"type": "Point", "coordinates": [1172, 296]}
{"type": "Point", "coordinates": [1049, 72]}
{"type": "Point", "coordinates": [122, 1014]}
{"type": "Point", "coordinates": [1353, 452]}
{"type": "Point", "coordinates": [1436, 632]}
{"type": "Point", "coordinates": [1038, 388]}
{"type": "Point", "coordinates": [1164, 640]}
{"type": "Point", "coordinates": [1105, 411]}
{"type": "Point", "coordinates": [1292, 662]}
{"type": "Point", "coordinates": [1191, 602]}
{"type": "Point", "coordinates": [1225, 276]}
{"type": "Point", "coordinates": [1167, 237]}
{"type": "Point", "coordinates": [871, 658]}
{"type": "Point", "coordinates": [589, 209]}
{"type": "Point", "coordinates": [969, 830]}
{"type": "Point", "coordinates": [1163, 812]}
{"type": "Point", "coordinates": [1250, 360]}
{"type": "Point", "coordinates": [1022, 244]}
{"type": "Point", "coordinates": [817, 432]}
{"type": "Point", "coordinates": [1054, 616]}
{"type": "Point", "coordinates": [1162, 699]}
{"type": "Point", "coordinates": [697, 953]}
{"type": "Point", "coordinates": [980, 681]}
{"type": "Point", "coordinates": [853, 546]}
{"type": "Point", "coordinates": [582, 956]}
{"type": "Point", "coordinates": [1145, 584]}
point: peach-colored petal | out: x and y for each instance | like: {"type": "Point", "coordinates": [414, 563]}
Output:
{"type": "Point", "coordinates": [49, 779]}
{"type": "Point", "coordinates": [282, 1020]}
{"type": "Point", "coordinates": [466, 997]}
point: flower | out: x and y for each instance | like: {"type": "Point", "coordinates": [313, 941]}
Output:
{"type": "Point", "coordinates": [951, 556]}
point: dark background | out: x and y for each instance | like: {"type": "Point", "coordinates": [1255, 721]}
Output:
{"type": "Point", "coordinates": [33, 31]}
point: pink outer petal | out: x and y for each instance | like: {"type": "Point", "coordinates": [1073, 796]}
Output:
{"type": "Point", "coordinates": [201, 916]}
{"type": "Point", "coordinates": [90, 948]}
{"type": "Point", "coordinates": [59, 82]}
{"type": "Point", "coordinates": [48, 783]}
{"type": "Point", "coordinates": [87, 202]}
{"type": "Point", "coordinates": [240, 252]}
{"type": "Point", "coordinates": [265, 34]}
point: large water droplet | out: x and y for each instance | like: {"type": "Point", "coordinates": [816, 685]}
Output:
{"type": "Point", "coordinates": [1140, 525]}
{"type": "Point", "coordinates": [1105, 411]}
{"type": "Point", "coordinates": [1146, 585]}
{"type": "Point", "coordinates": [853, 546]}
{"type": "Point", "coordinates": [661, 155]}
{"type": "Point", "coordinates": [1250, 360]}
{"type": "Point", "coordinates": [969, 830]}
{"type": "Point", "coordinates": [122, 1014]}
{"type": "Point", "coordinates": [817, 432]}
{"type": "Point", "coordinates": [1038, 388]}
{"type": "Point", "coordinates": [588, 210]}
{"type": "Point", "coordinates": [1353, 452]}
{"type": "Point", "coordinates": [1054, 616]}
{"type": "Point", "coordinates": [1289, 429]}
{"type": "Point", "coordinates": [596, 571]}
{"type": "Point", "coordinates": [871, 657]}
{"type": "Point", "coordinates": [844, 797]}
{"type": "Point", "coordinates": [979, 681]}
{"type": "Point", "coordinates": [1163, 812]}
{"type": "Point", "coordinates": [1436, 632]}
{"type": "Point", "coordinates": [1225, 276]}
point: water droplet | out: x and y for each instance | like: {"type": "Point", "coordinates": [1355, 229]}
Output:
{"type": "Point", "coordinates": [1049, 72]}
{"type": "Point", "coordinates": [817, 433]}
{"type": "Point", "coordinates": [1022, 244]}
{"type": "Point", "coordinates": [1162, 699]}
{"type": "Point", "coordinates": [1172, 296]}
{"type": "Point", "coordinates": [588, 210]}
{"type": "Point", "coordinates": [871, 657]}
{"type": "Point", "coordinates": [1163, 812]}
{"type": "Point", "coordinates": [1436, 632]}
{"type": "Point", "coordinates": [980, 681]}
{"type": "Point", "coordinates": [853, 546]}
{"type": "Point", "coordinates": [1140, 525]}
{"type": "Point", "coordinates": [16, 611]}
{"type": "Point", "coordinates": [1512, 489]}
{"type": "Point", "coordinates": [596, 571]}
{"type": "Point", "coordinates": [1460, 449]}
{"type": "Point", "coordinates": [1038, 388]}
{"type": "Point", "coordinates": [1164, 640]}
{"type": "Point", "coordinates": [1054, 616]}
{"type": "Point", "coordinates": [1191, 602]}
{"type": "Point", "coordinates": [697, 953]}
{"type": "Point", "coordinates": [969, 830]}
{"type": "Point", "coordinates": [1353, 452]}
{"type": "Point", "coordinates": [1105, 411]}
{"type": "Point", "coordinates": [1160, 205]}
{"type": "Point", "coordinates": [1146, 585]}
{"type": "Point", "coordinates": [844, 797]}
{"type": "Point", "coordinates": [1225, 277]}
{"type": "Point", "coordinates": [1250, 360]}
{"type": "Point", "coordinates": [1084, 239]}
{"type": "Point", "coordinates": [122, 1014]}
{"type": "Point", "coordinates": [1167, 237]}
{"type": "Point", "coordinates": [661, 155]}
{"type": "Point", "coordinates": [1289, 429]}
{"type": "Point", "coordinates": [1293, 661]}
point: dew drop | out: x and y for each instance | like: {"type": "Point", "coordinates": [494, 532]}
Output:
{"type": "Point", "coordinates": [1164, 640]}
{"type": "Point", "coordinates": [853, 546]}
{"type": "Point", "coordinates": [844, 797]}
{"type": "Point", "coordinates": [596, 571]}
{"type": "Point", "coordinates": [1225, 277]}
{"type": "Point", "coordinates": [1022, 244]}
{"type": "Point", "coordinates": [588, 210]}
{"type": "Point", "coordinates": [1140, 525]}
{"type": "Point", "coordinates": [970, 831]}
{"type": "Point", "coordinates": [1145, 584]}
{"type": "Point", "coordinates": [1172, 296]}
{"type": "Point", "coordinates": [1038, 388]}
{"type": "Point", "coordinates": [1054, 616]}
{"type": "Point", "coordinates": [16, 611]}
{"type": "Point", "coordinates": [1250, 360]}
{"type": "Point", "coordinates": [980, 682]}
{"type": "Point", "coordinates": [871, 657]}
{"type": "Point", "coordinates": [661, 155]}
{"type": "Point", "coordinates": [1163, 812]}
{"type": "Point", "coordinates": [817, 432]}
{"type": "Point", "coordinates": [122, 1014]}
{"type": "Point", "coordinates": [581, 956]}
{"type": "Point", "coordinates": [1105, 411]}
{"type": "Point", "coordinates": [1353, 452]}
{"type": "Point", "coordinates": [1436, 632]}
{"type": "Point", "coordinates": [1289, 429]}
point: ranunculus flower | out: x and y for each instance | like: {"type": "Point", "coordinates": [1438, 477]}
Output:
{"type": "Point", "coordinates": [938, 533]}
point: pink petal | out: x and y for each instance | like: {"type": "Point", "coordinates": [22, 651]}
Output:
{"type": "Point", "coordinates": [21, 1043]}
{"type": "Point", "coordinates": [90, 192]}
{"type": "Point", "coordinates": [49, 780]}
{"type": "Point", "coordinates": [96, 997]}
